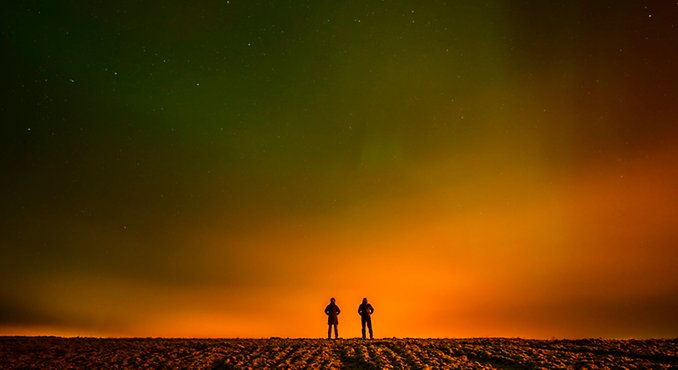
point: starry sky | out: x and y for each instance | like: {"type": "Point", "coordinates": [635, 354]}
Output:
{"type": "Point", "coordinates": [223, 168]}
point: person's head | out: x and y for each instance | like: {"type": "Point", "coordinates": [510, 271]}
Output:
{"type": "Point", "coordinates": [364, 300]}
{"type": "Point", "coordinates": [332, 300]}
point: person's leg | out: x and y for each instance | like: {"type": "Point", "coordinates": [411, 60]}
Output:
{"type": "Point", "coordinates": [369, 326]}
{"type": "Point", "coordinates": [362, 322]}
{"type": "Point", "coordinates": [329, 331]}
{"type": "Point", "coordinates": [336, 332]}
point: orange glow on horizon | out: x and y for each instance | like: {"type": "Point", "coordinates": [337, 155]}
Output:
{"type": "Point", "coordinates": [495, 270]}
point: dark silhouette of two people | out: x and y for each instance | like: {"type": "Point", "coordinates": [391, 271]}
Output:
{"type": "Point", "coordinates": [365, 310]}
{"type": "Point", "coordinates": [332, 311]}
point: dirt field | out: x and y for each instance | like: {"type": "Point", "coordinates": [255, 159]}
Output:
{"type": "Point", "coordinates": [63, 353]}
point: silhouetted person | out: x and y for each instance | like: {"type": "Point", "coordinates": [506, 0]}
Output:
{"type": "Point", "coordinates": [365, 311]}
{"type": "Point", "coordinates": [332, 311]}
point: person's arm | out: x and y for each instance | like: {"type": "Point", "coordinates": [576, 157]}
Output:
{"type": "Point", "coordinates": [327, 310]}
{"type": "Point", "coordinates": [360, 310]}
{"type": "Point", "coordinates": [338, 310]}
{"type": "Point", "coordinates": [371, 309]}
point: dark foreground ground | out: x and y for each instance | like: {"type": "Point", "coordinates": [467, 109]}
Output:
{"type": "Point", "coordinates": [88, 353]}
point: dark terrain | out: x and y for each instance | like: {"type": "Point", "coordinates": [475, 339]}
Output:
{"type": "Point", "coordinates": [87, 353]}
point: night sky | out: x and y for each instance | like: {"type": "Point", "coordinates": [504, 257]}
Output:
{"type": "Point", "coordinates": [223, 168]}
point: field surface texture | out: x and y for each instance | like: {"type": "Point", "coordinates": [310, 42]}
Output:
{"type": "Point", "coordinates": [64, 353]}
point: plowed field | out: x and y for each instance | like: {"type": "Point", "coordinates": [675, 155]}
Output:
{"type": "Point", "coordinates": [87, 353]}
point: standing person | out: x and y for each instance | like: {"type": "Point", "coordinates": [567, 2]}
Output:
{"type": "Point", "coordinates": [332, 311]}
{"type": "Point", "coordinates": [365, 311]}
